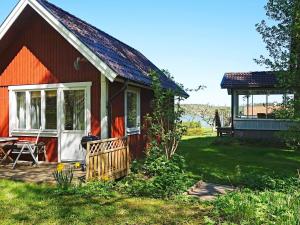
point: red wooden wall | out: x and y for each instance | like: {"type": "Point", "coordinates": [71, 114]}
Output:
{"type": "Point", "coordinates": [137, 143]}
{"type": "Point", "coordinates": [37, 54]}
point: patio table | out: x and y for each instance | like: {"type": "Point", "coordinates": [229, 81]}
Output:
{"type": "Point", "coordinates": [3, 142]}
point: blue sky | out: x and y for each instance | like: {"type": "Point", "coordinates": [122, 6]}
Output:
{"type": "Point", "coordinates": [196, 40]}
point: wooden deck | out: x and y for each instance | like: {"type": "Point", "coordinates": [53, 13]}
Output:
{"type": "Point", "coordinates": [35, 174]}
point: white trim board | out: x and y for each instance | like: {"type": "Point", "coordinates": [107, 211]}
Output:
{"type": "Point", "coordinates": [50, 86]}
{"type": "Point", "coordinates": [60, 28]}
{"type": "Point", "coordinates": [103, 107]}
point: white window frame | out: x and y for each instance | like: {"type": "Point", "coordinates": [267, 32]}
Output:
{"type": "Point", "coordinates": [60, 87]}
{"type": "Point", "coordinates": [133, 130]}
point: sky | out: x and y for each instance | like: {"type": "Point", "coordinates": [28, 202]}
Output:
{"type": "Point", "coordinates": [196, 40]}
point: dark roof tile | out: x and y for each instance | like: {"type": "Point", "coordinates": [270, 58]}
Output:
{"type": "Point", "coordinates": [123, 59]}
{"type": "Point", "coordinates": [262, 79]}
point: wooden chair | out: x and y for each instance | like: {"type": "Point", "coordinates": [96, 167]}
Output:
{"type": "Point", "coordinates": [30, 148]}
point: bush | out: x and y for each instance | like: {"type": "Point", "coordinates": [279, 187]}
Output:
{"type": "Point", "coordinates": [266, 182]}
{"type": "Point", "coordinates": [291, 137]}
{"type": "Point", "coordinates": [90, 189]}
{"type": "Point", "coordinates": [158, 178]}
{"type": "Point", "coordinates": [193, 128]}
{"type": "Point", "coordinates": [192, 124]}
{"type": "Point", "coordinates": [252, 207]}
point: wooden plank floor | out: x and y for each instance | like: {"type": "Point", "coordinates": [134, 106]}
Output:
{"type": "Point", "coordinates": [34, 174]}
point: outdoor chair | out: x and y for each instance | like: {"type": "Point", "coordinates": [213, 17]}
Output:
{"type": "Point", "coordinates": [31, 148]}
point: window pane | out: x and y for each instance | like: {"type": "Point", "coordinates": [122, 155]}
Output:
{"type": "Point", "coordinates": [21, 109]}
{"type": "Point", "coordinates": [51, 110]}
{"type": "Point", "coordinates": [35, 109]}
{"type": "Point", "coordinates": [131, 110]}
{"type": "Point", "coordinates": [74, 109]}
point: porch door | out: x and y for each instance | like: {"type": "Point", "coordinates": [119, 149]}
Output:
{"type": "Point", "coordinates": [73, 124]}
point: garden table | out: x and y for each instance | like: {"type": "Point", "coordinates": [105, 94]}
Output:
{"type": "Point", "coordinates": [4, 141]}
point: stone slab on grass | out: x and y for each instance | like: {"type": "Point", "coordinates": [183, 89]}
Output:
{"type": "Point", "coordinates": [207, 191]}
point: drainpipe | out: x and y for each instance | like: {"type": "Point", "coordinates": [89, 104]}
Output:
{"type": "Point", "coordinates": [109, 106]}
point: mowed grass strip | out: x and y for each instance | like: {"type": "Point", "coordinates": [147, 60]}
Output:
{"type": "Point", "coordinates": [22, 203]}
{"type": "Point", "coordinates": [224, 160]}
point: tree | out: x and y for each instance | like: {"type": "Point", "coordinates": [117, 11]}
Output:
{"type": "Point", "coordinates": [164, 125]}
{"type": "Point", "coordinates": [217, 119]}
{"type": "Point", "coordinates": [282, 40]}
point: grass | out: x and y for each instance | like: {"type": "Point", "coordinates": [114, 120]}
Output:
{"type": "Point", "coordinates": [270, 190]}
{"type": "Point", "coordinates": [218, 160]}
{"type": "Point", "coordinates": [224, 160]}
{"type": "Point", "coordinates": [22, 203]}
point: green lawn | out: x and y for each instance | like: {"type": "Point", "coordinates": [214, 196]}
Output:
{"type": "Point", "coordinates": [35, 204]}
{"type": "Point", "coordinates": [209, 158]}
{"type": "Point", "coordinates": [225, 160]}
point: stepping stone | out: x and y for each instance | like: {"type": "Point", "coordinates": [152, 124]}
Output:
{"type": "Point", "coordinates": [207, 191]}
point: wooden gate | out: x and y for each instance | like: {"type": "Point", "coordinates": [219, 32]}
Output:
{"type": "Point", "coordinates": [107, 159]}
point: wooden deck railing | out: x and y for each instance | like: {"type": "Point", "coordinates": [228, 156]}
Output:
{"type": "Point", "coordinates": [107, 159]}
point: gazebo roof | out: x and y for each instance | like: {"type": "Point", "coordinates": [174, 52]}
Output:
{"type": "Point", "coordinates": [249, 80]}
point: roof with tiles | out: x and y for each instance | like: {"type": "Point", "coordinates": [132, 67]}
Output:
{"type": "Point", "coordinates": [262, 79]}
{"type": "Point", "coordinates": [121, 58]}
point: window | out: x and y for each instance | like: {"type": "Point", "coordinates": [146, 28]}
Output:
{"type": "Point", "coordinates": [35, 109]}
{"type": "Point", "coordinates": [29, 110]}
{"type": "Point", "coordinates": [21, 110]}
{"type": "Point", "coordinates": [260, 105]}
{"type": "Point", "coordinates": [51, 110]}
{"type": "Point", "coordinates": [132, 111]}
{"type": "Point", "coordinates": [51, 107]}
{"type": "Point", "coordinates": [74, 109]}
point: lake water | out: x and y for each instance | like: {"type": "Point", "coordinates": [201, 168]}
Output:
{"type": "Point", "coordinates": [189, 118]}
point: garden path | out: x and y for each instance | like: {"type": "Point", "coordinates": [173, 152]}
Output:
{"type": "Point", "coordinates": [209, 191]}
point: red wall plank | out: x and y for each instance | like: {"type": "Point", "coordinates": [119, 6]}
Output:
{"type": "Point", "coordinates": [137, 143]}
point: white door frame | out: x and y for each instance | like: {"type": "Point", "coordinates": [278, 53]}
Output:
{"type": "Point", "coordinates": [87, 89]}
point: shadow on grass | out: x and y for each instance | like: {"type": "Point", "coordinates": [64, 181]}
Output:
{"type": "Point", "coordinates": [24, 203]}
{"type": "Point", "coordinates": [228, 161]}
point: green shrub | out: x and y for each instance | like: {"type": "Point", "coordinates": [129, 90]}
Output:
{"type": "Point", "coordinates": [90, 189]}
{"type": "Point", "coordinates": [267, 182]}
{"type": "Point", "coordinates": [192, 124]}
{"type": "Point", "coordinates": [193, 132]}
{"type": "Point", "coordinates": [291, 137]}
{"type": "Point", "coordinates": [252, 207]}
{"type": "Point", "coordinates": [158, 178]}
{"type": "Point", "coordinates": [193, 128]}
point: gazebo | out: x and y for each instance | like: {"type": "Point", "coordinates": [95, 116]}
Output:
{"type": "Point", "coordinates": [255, 96]}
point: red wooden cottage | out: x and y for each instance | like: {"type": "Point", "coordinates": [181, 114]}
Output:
{"type": "Point", "coordinates": [67, 77]}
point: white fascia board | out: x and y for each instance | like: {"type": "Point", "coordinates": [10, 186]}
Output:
{"type": "Point", "coordinates": [69, 36]}
{"type": "Point", "coordinates": [12, 17]}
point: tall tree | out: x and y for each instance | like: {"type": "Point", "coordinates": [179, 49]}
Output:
{"type": "Point", "coordinates": [282, 38]}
